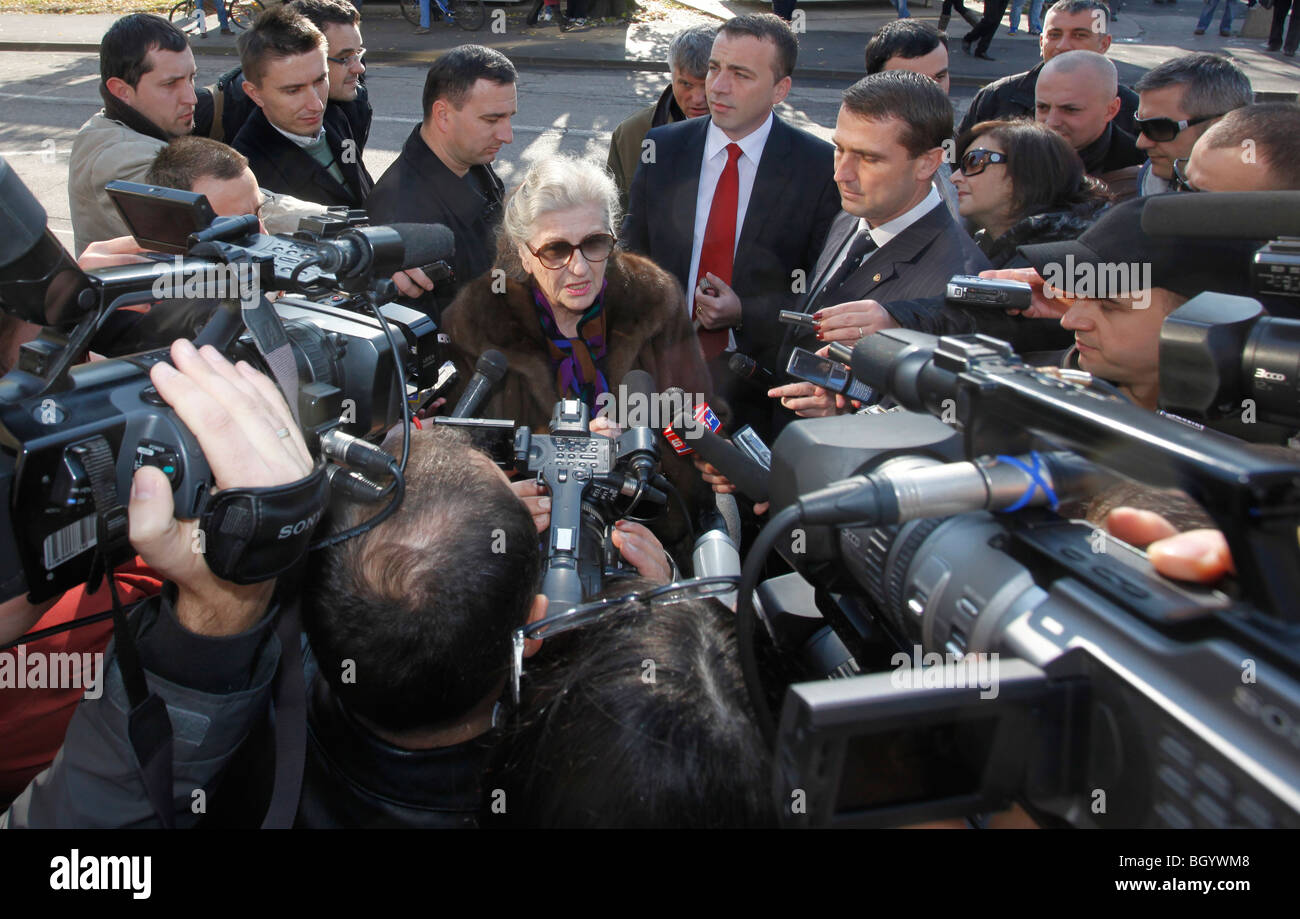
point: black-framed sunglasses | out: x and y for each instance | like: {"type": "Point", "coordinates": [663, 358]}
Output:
{"type": "Point", "coordinates": [578, 616]}
{"type": "Point", "coordinates": [975, 161]}
{"type": "Point", "coordinates": [1161, 130]}
{"type": "Point", "coordinates": [556, 255]}
{"type": "Point", "coordinates": [347, 59]}
{"type": "Point", "coordinates": [1181, 182]}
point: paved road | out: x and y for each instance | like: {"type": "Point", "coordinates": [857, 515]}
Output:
{"type": "Point", "coordinates": [45, 98]}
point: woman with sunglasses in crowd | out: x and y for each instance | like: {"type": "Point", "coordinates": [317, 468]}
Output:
{"type": "Point", "coordinates": [1020, 183]}
{"type": "Point", "coordinates": [572, 314]}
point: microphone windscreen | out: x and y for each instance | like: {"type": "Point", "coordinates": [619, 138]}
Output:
{"type": "Point", "coordinates": [639, 389]}
{"type": "Point", "coordinates": [492, 364]}
{"type": "Point", "coordinates": [425, 243]}
{"type": "Point", "coordinates": [1224, 215]}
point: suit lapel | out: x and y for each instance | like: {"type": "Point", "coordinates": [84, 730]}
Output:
{"type": "Point", "coordinates": [844, 226]}
{"type": "Point", "coordinates": [685, 162]}
{"type": "Point", "coordinates": [770, 182]}
{"type": "Point", "coordinates": [882, 266]}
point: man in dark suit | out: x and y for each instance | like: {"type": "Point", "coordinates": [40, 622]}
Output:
{"type": "Point", "coordinates": [296, 145]}
{"type": "Point", "coordinates": [736, 206]}
{"type": "Point", "coordinates": [894, 239]}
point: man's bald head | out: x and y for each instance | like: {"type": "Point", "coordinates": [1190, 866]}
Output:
{"type": "Point", "coordinates": [1249, 149]}
{"type": "Point", "coordinates": [1076, 96]}
{"type": "Point", "coordinates": [1088, 67]}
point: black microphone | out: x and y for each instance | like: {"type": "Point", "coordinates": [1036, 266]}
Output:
{"type": "Point", "coordinates": [745, 367]}
{"type": "Point", "coordinates": [638, 443]}
{"type": "Point", "coordinates": [743, 472]}
{"type": "Point", "coordinates": [380, 251]}
{"type": "Point", "coordinates": [489, 370]}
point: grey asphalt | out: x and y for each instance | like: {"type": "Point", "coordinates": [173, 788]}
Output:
{"type": "Point", "coordinates": [830, 45]}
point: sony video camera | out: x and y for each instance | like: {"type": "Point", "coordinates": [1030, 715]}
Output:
{"type": "Point", "coordinates": [71, 437]}
{"type": "Point", "coordinates": [962, 646]}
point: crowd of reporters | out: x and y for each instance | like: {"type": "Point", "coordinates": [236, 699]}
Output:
{"type": "Point", "coordinates": [731, 216]}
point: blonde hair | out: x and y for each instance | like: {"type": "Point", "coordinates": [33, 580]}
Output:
{"type": "Point", "coordinates": [557, 183]}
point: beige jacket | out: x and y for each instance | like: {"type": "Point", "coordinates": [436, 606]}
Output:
{"type": "Point", "coordinates": [104, 150]}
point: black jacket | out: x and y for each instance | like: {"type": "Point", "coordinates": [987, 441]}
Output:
{"type": "Point", "coordinates": [790, 211]}
{"type": "Point", "coordinates": [1024, 334]}
{"type": "Point", "coordinates": [1115, 149]}
{"type": "Point", "coordinates": [419, 188]}
{"type": "Point", "coordinates": [1013, 97]}
{"type": "Point", "coordinates": [908, 275]}
{"type": "Point", "coordinates": [237, 108]}
{"type": "Point", "coordinates": [351, 778]}
{"type": "Point", "coordinates": [282, 166]}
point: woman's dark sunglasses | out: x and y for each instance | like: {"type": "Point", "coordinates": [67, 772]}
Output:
{"type": "Point", "coordinates": [1161, 130]}
{"type": "Point", "coordinates": [973, 162]}
{"type": "Point", "coordinates": [595, 248]}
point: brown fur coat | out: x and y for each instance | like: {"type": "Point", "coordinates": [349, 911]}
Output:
{"type": "Point", "coordinates": [647, 329]}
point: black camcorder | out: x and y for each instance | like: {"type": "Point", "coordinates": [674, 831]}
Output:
{"type": "Point", "coordinates": [958, 646]}
{"type": "Point", "coordinates": [594, 481]}
{"type": "Point", "coordinates": [71, 437]}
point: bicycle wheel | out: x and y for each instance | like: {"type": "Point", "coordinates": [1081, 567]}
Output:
{"type": "Point", "coordinates": [411, 10]}
{"type": "Point", "coordinates": [183, 16]}
{"type": "Point", "coordinates": [243, 13]}
{"type": "Point", "coordinates": [469, 14]}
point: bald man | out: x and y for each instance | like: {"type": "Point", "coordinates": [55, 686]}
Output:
{"type": "Point", "coordinates": [1076, 96]}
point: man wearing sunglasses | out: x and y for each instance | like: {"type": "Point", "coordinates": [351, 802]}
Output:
{"type": "Point", "coordinates": [1178, 102]}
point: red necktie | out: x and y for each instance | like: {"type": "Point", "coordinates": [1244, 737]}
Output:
{"type": "Point", "coordinates": [719, 245]}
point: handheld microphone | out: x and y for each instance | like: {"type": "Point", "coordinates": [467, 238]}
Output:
{"type": "Point", "coordinates": [744, 473]}
{"type": "Point", "coordinates": [745, 367]}
{"type": "Point", "coordinates": [638, 443]}
{"type": "Point", "coordinates": [489, 370]}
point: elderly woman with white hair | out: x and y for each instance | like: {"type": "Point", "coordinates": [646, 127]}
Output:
{"type": "Point", "coordinates": [571, 312]}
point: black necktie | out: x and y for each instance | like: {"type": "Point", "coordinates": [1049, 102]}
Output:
{"type": "Point", "coordinates": [862, 246]}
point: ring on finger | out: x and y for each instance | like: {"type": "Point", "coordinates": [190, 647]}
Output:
{"type": "Point", "coordinates": [282, 432]}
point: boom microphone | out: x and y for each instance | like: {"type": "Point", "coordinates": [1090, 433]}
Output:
{"type": "Point", "coordinates": [1224, 215]}
{"type": "Point", "coordinates": [380, 251]}
{"type": "Point", "coordinates": [638, 444]}
{"type": "Point", "coordinates": [489, 370]}
{"type": "Point", "coordinates": [743, 472]}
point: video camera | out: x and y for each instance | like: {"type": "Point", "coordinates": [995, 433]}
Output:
{"type": "Point", "coordinates": [1222, 355]}
{"type": "Point", "coordinates": [971, 649]}
{"type": "Point", "coordinates": [72, 437]}
{"type": "Point", "coordinates": [594, 482]}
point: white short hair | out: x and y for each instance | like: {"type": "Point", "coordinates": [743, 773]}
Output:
{"type": "Point", "coordinates": [555, 183]}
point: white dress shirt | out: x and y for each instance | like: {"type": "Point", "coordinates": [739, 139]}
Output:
{"type": "Point", "coordinates": [300, 139]}
{"type": "Point", "coordinates": [888, 230]}
{"type": "Point", "coordinates": [715, 159]}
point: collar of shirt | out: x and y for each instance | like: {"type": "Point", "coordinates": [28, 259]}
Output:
{"type": "Point", "coordinates": [751, 145]}
{"type": "Point", "coordinates": [299, 139]}
{"type": "Point", "coordinates": [1152, 184]}
{"type": "Point", "coordinates": [891, 228]}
